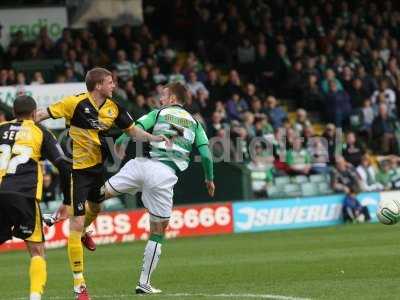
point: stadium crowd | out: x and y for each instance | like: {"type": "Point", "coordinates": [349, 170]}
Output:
{"type": "Point", "coordinates": [316, 82]}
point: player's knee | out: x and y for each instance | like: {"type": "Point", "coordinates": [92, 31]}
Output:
{"type": "Point", "coordinates": [35, 249]}
{"type": "Point", "coordinates": [93, 207]}
{"type": "Point", "coordinates": [105, 193]}
{"type": "Point", "coordinates": [158, 226]}
{"type": "Point", "coordinates": [76, 223]}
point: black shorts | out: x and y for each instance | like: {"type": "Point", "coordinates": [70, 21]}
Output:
{"type": "Point", "coordinates": [85, 184]}
{"type": "Point", "coordinates": [20, 216]}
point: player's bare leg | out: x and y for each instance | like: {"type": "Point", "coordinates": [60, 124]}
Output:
{"type": "Point", "coordinates": [151, 256]}
{"type": "Point", "coordinates": [75, 255]}
{"type": "Point", "coordinates": [37, 269]}
{"type": "Point", "coordinates": [92, 210]}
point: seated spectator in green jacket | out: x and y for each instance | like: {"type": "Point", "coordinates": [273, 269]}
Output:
{"type": "Point", "coordinates": [298, 158]}
{"type": "Point", "coordinates": [384, 175]}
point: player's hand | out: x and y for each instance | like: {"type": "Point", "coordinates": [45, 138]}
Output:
{"type": "Point", "coordinates": [162, 138]}
{"type": "Point", "coordinates": [210, 187]}
{"type": "Point", "coordinates": [120, 150]}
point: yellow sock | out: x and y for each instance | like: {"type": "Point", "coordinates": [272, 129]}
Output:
{"type": "Point", "coordinates": [90, 216]}
{"type": "Point", "coordinates": [75, 255]}
{"type": "Point", "coordinates": [38, 274]}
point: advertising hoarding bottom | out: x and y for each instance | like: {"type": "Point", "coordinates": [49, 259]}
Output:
{"type": "Point", "coordinates": [127, 226]}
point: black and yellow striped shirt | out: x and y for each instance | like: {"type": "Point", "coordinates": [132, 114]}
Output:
{"type": "Point", "coordinates": [22, 144]}
{"type": "Point", "coordinates": [88, 125]}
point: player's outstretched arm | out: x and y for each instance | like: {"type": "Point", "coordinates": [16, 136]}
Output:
{"type": "Point", "coordinates": [42, 114]}
{"type": "Point", "coordinates": [208, 168]}
{"type": "Point", "coordinates": [140, 135]}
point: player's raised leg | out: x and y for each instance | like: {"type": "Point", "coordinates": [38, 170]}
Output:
{"type": "Point", "coordinates": [92, 210]}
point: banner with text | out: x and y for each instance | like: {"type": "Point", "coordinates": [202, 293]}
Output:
{"type": "Point", "coordinates": [295, 213]}
{"type": "Point", "coordinates": [44, 95]}
{"type": "Point", "coordinates": [30, 20]}
{"type": "Point", "coordinates": [127, 226]}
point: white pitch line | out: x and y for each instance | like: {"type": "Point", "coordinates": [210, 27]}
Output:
{"type": "Point", "coordinates": [184, 295]}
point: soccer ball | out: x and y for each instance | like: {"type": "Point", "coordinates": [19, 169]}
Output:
{"type": "Point", "coordinates": [388, 212]}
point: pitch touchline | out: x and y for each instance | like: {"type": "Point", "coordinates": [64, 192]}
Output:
{"type": "Point", "coordinates": [258, 296]}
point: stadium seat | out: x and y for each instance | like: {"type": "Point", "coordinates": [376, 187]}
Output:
{"type": "Point", "coordinates": [274, 191]}
{"type": "Point", "coordinates": [292, 190]}
{"type": "Point", "coordinates": [282, 180]}
{"type": "Point", "coordinates": [309, 189]}
{"type": "Point", "coordinates": [300, 179]}
{"type": "Point", "coordinates": [324, 188]}
{"type": "Point", "coordinates": [258, 179]}
{"type": "Point", "coordinates": [317, 178]}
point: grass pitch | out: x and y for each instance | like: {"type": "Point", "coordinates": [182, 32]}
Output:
{"type": "Point", "coordinates": [345, 262]}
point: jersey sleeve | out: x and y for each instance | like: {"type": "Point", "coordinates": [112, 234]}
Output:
{"type": "Point", "coordinates": [124, 120]}
{"type": "Point", "coordinates": [200, 136]}
{"type": "Point", "coordinates": [148, 121]}
{"type": "Point", "coordinates": [51, 149]}
{"type": "Point", "coordinates": [63, 108]}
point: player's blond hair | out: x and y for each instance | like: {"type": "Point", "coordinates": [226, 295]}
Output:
{"type": "Point", "coordinates": [95, 76]}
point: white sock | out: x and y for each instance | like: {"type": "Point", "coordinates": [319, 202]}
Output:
{"type": "Point", "coordinates": [35, 296]}
{"type": "Point", "coordinates": [151, 257]}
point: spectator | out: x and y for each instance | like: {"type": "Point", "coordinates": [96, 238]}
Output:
{"type": "Point", "coordinates": [367, 176]}
{"type": "Point", "coordinates": [353, 211]}
{"type": "Point", "coordinates": [301, 121]}
{"type": "Point", "coordinates": [158, 77]}
{"type": "Point", "coordinates": [37, 78]}
{"type": "Point", "coordinates": [357, 93]}
{"type": "Point", "coordinates": [275, 113]}
{"type": "Point", "coordinates": [329, 77]}
{"type": "Point", "coordinates": [3, 117]}
{"type": "Point", "coordinates": [282, 65]}
{"type": "Point", "coordinates": [73, 63]}
{"type": "Point", "coordinates": [352, 150]}
{"type": "Point", "coordinates": [383, 175]}
{"type": "Point", "coordinates": [70, 76]}
{"type": "Point", "coordinates": [249, 92]}
{"type": "Point", "coordinates": [264, 68]}
{"type": "Point", "coordinates": [312, 97]}
{"type": "Point", "coordinates": [214, 86]}
{"type": "Point", "coordinates": [343, 177]}
{"type": "Point", "coordinates": [194, 85]}
{"type": "Point", "coordinates": [49, 189]}
{"type": "Point", "coordinates": [123, 66]}
{"type": "Point", "coordinates": [245, 55]}
{"type": "Point", "coordinates": [233, 86]}
{"type": "Point", "coordinates": [385, 95]}
{"type": "Point", "coordinates": [319, 156]}
{"type": "Point", "coordinates": [248, 124]}
{"type": "Point", "coordinates": [3, 77]}
{"type": "Point", "coordinates": [337, 105]}
{"type": "Point", "coordinates": [295, 82]}
{"type": "Point", "coordinates": [235, 107]}
{"type": "Point", "coordinates": [21, 79]}
{"type": "Point", "coordinates": [298, 158]}
{"type": "Point", "coordinates": [383, 130]}
{"type": "Point", "coordinates": [215, 125]}
{"type": "Point", "coordinates": [176, 75]}
{"type": "Point", "coordinates": [144, 83]}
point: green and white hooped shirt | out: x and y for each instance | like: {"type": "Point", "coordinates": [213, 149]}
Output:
{"type": "Point", "coordinates": [177, 124]}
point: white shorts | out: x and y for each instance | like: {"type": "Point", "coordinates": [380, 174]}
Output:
{"type": "Point", "coordinates": [153, 178]}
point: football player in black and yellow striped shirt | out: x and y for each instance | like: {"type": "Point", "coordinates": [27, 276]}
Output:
{"type": "Point", "coordinates": [89, 116]}
{"type": "Point", "coordinates": [22, 145]}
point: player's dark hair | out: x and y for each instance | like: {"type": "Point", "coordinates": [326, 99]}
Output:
{"type": "Point", "coordinates": [179, 90]}
{"type": "Point", "coordinates": [24, 106]}
{"type": "Point", "coordinates": [95, 76]}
